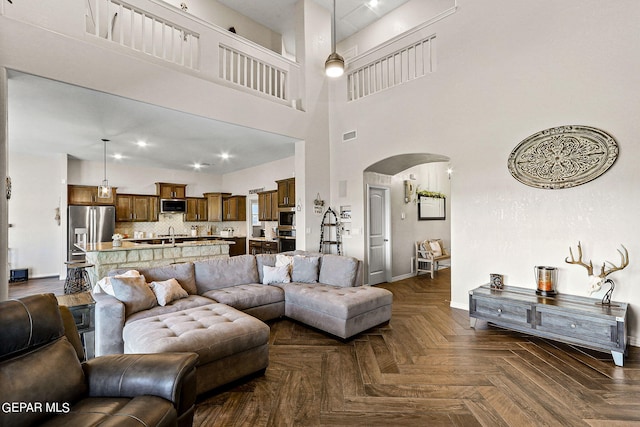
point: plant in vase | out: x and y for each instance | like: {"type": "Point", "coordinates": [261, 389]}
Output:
{"type": "Point", "coordinates": [117, 239]}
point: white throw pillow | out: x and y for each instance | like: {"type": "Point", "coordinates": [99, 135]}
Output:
{"type": "Point", "coordinates": [167, 291]}
{"type": "Point", "coordinates": [275, 274]}
{"type": "Point", "coordinates": [435, 248]}
{"type": "Point", "coordinates": [283, 260]}
{"type": "Point", "coordinates": [104, 285]}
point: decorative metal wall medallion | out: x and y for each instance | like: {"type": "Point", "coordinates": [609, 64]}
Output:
{"type": "Point", "coordinates": [563, 157]}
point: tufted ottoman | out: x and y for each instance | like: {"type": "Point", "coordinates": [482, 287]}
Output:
{"type": "Point", "coordinates": [341, 311]}
{"type": "Point", "coordinates": [230, 343]}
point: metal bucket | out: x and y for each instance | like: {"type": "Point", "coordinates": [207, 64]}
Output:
{"type": "Point", "coordinates": [546, 278]}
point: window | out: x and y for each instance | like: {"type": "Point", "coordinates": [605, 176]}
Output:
{"type": "Point", "coordinates": [254, 213]}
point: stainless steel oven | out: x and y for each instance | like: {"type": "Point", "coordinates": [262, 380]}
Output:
{"type": "Point", "coordinates": [286, 239]}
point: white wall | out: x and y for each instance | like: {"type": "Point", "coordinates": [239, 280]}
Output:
{"type": "Point", "coordinates": [35, 236]}
{"type": "Point", "coordinates": [218, 14]}
{"type": "Point", "coordinates": [405, 17]}
{"type": "Point", "coordinates": [506, 70]}
{"type": "Point", "coordinates": [404, 232]}
{"type": "Point", "coordinates": [138, 179]}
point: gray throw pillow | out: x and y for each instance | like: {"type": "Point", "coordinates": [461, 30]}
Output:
{"type": "Point", "coordinates": [134, 293]}
{"type": "Point", "coordinates": [305, 269]}
{"type": "Point", "coordinates": [338, 270]}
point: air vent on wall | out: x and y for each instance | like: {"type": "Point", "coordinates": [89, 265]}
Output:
{"type": "Point", "coordinates": [348, 136]}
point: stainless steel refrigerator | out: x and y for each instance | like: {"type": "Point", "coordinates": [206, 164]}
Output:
{"type": "Point", "coordinates": [89, 224]}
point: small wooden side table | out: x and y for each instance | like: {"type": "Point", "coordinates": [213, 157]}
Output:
{"type": "Point", "coordinates": [82, 307]}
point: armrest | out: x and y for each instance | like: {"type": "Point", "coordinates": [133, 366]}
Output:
{"type": "Point", "coordinates": [167, 375]}
{"type": "Point", "coordinates": [110, 319]}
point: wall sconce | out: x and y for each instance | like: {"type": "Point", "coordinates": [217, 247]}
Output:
{"type": "Point", "coordinates": [409, 188]}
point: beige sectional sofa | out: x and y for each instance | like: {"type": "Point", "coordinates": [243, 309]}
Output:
{"type": "Point", "coordinates": [223, 302]}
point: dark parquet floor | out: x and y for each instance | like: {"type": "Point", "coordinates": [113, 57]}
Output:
{"type": "Point", "coordinates": [427, 367]}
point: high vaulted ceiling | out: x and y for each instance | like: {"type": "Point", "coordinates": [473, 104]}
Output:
{"type": "Point", "coordinates": [49, 117]}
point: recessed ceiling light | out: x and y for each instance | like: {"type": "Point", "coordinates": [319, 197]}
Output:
{"type": "Point", "coordinates": [117, 156]}
{"type": "Point", "coordinates": [224, 156]}
{"type": "Point", "coordinates": [373, 3]}
{"type": "Point", "coordinates": [141, 144]}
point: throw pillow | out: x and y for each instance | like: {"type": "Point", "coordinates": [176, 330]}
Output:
{"type": "Point", "coordinates": [134, 293]}
{"type": "Point", "coordinates": [283, 260]}
{"type": "Point", "coordinates": [338, 270]}
{"type": "Point", "coordinates": [167, 291]}
{"type": "Point", "coordinates": [275, 274]}
{"type": "Point", "coordinates": [436, 249]}
{"type": "Point", "coordinates": [305, 269]}
{"type": "Point", "coordinates": [104, 285]}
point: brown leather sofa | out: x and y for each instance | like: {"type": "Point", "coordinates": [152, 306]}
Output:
{"type": "Point", "coordinates": [43, 382]}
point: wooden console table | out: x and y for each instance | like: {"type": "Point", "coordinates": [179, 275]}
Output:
{"type": "Point", "coordinates": [82, 307]}
{"type": "Point", "coordinates": [566, 318]}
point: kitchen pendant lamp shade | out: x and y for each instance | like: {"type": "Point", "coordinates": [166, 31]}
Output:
{"type": "Point", "coordinates": [334, 65]}
{"type": "Point", "coordinates": [104, 189]}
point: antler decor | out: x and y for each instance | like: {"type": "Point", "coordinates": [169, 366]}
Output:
{"type": "Point", "coordinates": [596, 281]}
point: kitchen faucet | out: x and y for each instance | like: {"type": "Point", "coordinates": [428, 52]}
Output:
{"type": "Point", "coordinates": [172, 235]}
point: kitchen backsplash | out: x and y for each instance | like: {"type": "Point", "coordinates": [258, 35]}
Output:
{"type": "Point", "coordinates": [180, 226]}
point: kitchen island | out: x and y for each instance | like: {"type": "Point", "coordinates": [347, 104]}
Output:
{"type": "Point", "coordinates": [106, 257]}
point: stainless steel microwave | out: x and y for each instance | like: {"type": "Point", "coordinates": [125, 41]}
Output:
{"type": "Point", "coordinates": [287, 217]}
{"type": "Point", "coordinates": [173, 206]}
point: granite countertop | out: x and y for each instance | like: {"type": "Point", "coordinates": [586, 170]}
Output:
{"type": "Point", "coordinates": [181, 237]}
{"type": "Point", "coordinates": [263, 239]}
{"type": "Point", "coordinates": [127, 245]}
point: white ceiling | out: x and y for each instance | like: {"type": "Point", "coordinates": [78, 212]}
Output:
{"type": "Point", "coordinates": [50, 117]}
{"type": "Point", "coordinates": [278, 15]}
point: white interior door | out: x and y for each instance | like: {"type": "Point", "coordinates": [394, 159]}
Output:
{"type": "Point", "coordinates": [378, 230]}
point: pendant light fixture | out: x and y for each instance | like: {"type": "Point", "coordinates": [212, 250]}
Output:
{"type": "Point", "coordinates": [334, 65]}
{"type": "Point", "coordinates": [104, 190]}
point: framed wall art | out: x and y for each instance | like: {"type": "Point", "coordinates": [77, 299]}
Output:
{"type": "Point", "coordinates": [431, 208]}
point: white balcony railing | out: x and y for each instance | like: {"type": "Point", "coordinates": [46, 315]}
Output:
{"type": "Point", "coordinates": [398, 67]}
{"type": "Point", "coordinates": [155, 31]}
{"type": "Point", "coordinates": [142, 31]}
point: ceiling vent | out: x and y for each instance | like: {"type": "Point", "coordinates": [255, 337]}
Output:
{"type": "Point", "coordinates": [348, 136]}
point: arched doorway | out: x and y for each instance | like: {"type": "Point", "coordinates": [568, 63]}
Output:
{"type": "Point", "coordinates": [391, 212]}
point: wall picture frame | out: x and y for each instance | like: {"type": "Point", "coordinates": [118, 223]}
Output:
{"type": "Point", "coordinates": [431, 208]}
{"type": "Point", "coordinates": [496, 281]}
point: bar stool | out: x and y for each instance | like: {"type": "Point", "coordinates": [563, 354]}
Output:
{"type": "Point", "coordinates": [77, 277]}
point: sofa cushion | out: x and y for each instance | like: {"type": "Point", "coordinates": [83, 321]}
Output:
{"type": "Point", "coordinates": [167, 291]}
{"type": "Point", "coordinates": [305, 269]}
{"type": "Point", "coordinates": [244, 297]}
{"type": "Point", "coordinates": [338, 270]}
{"type": "Point", "coordinates": [191, 301]}
{"type": "Point", "coordinates": [213, 331]}
{"type": "Point", "coordinates": [262, 260]}
{"type": "Point", "coordinates": [134, 292]}
{"type": "Point", "coordinates": [49, 374]}
{"type": "Point", "coordinates": [219, 273]}
{"type": "Point", "coordinates": [336, 301]}
{"type": "Point", "coordinates": [183, 273]}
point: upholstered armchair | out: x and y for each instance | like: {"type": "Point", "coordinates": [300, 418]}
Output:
{"type": "Point", "coordinates": [43, 382]}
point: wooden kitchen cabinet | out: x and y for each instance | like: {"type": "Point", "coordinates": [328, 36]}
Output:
{"type": "Point", "coordinates": [171, 191]}
{"type": "Point", "coordinates": [214, 205]}
{"type": "Point", "coordinates": [262, 247]}
{"type": "Point", "coordinates": [136, 208]}
{"type": "Point", "coordinates": [268, 206]}
{"type": "Point", "coordinates": [197, 209]}
{"type": "Point", "coordinates": [239, 247]}
{"type": "Point", "coordinates": [286, 192]}
{"type": "Point", "coordinates": [88, 195]}
{"type": "Point", "coordinates": [234, 208]}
